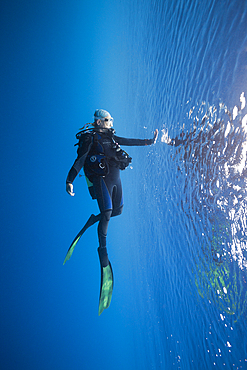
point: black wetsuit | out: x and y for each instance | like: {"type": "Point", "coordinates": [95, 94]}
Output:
{"type": "Point", "coordinates": [107, 189]}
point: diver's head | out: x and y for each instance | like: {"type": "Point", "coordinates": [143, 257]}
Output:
{"type": "Point", "coordinates": [102, 119]}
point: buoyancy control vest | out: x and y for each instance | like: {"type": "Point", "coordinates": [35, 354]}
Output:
{"type": "Point", "coordinates": [103, 153]}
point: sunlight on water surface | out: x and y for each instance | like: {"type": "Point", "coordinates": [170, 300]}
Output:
{"type": "Point", "coordinates": [188, 77]}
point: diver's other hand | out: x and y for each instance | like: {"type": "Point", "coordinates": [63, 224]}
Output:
{"type": "Point", "coordinates": [156, 132]}
{"type": "Point", "coordinates": [69, 189]}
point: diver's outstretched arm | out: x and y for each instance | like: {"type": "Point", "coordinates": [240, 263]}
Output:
{"type": "Point", "coordinates": [156, 133]}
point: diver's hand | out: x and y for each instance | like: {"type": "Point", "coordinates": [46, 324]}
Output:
{"type": "Point", "coordinates": [69, 189]}
{"type": "Point", "coordinates": [156, 132]}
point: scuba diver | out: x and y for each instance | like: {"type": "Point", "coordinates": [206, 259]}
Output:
{"type": "Point", "coordinates": [100, 155]}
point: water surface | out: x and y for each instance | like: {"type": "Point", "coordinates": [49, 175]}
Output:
{"type": "Point", "coordinates": [188, 72]}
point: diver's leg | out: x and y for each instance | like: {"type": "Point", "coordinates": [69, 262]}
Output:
{"type": "Point", "coordinates": [102, 191]}
{"type": "Point", "coordinates": [106, 283]}
{"type": "Point", "coordinates": [117, 211]}
{"type": "Point", "coordinates": [105, 205]}
{"type": "Point", "coordinates": [117, 198]}
{"type": "Point", "coordinates": [102, 233]}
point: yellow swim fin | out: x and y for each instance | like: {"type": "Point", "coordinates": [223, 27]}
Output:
{"type": "Point", "coordinates": [92, 220]}
{"type": "Point", "coordinates": [106, 288]}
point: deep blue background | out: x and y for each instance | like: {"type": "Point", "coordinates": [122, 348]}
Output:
{"type": "Point", "coordinates": [60, 61]}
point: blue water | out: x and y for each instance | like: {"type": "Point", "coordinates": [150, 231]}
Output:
{"type": "Point", "coordinates": [179, 249]}
{"type": "Point", "coordinates": [188, 60]}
